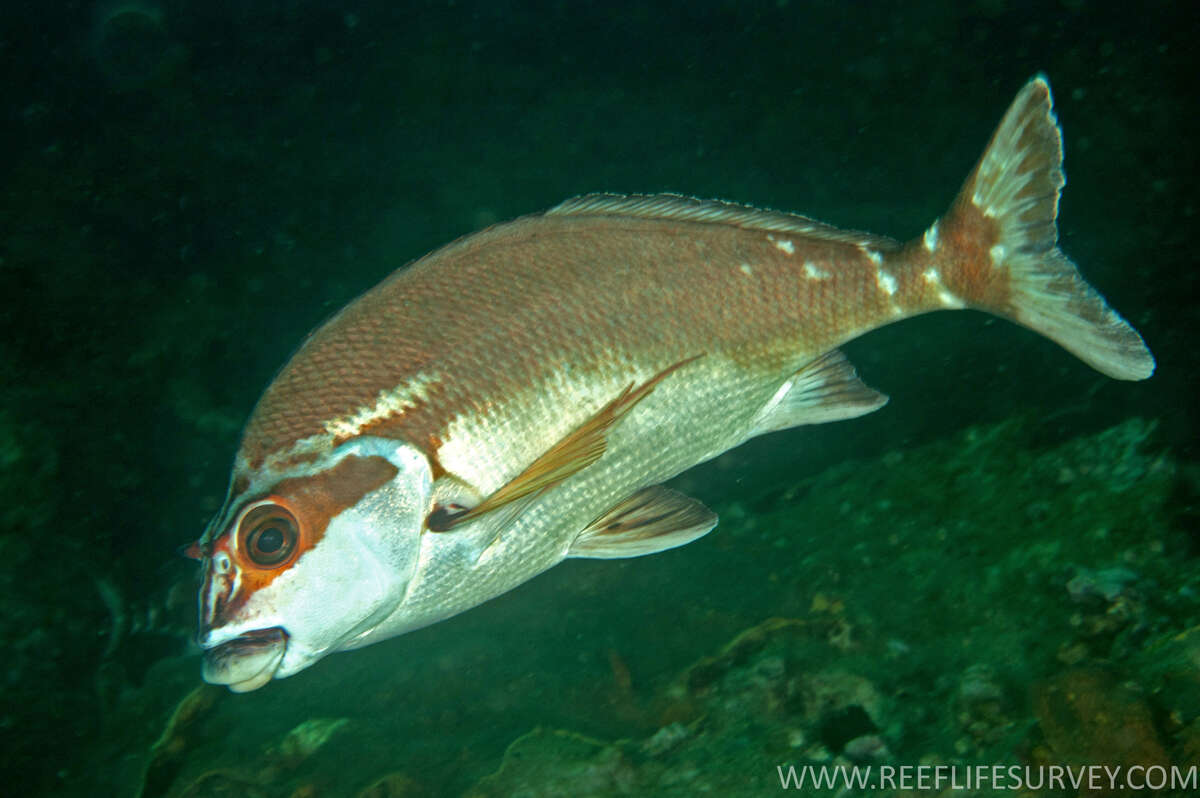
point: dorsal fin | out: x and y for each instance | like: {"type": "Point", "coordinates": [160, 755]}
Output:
{"type": "Point", "coordinates": [690, 209]}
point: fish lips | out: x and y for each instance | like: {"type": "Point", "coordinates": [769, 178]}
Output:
{"type": "Point", "coordinates": [248, 661]}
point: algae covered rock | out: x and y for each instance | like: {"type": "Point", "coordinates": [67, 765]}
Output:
{"type": "Point", "coordinates": [751, 706]}
{"type": "Point", "coordinates": [547, 763]}
{"type": "Point", "coordinates": [990, 602]}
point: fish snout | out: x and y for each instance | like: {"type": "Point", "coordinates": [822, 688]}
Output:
{"type": "Point", "coordinates": [248, 661]}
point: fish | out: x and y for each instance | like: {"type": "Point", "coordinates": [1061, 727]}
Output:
{"type": "Point", "coordinates": [518, 396]}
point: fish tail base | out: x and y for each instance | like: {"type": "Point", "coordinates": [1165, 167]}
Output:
{"type": "Point", "coordinates": [996, 248]}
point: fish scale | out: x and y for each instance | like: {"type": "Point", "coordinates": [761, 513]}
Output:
{"type": "Point", "coordinates": [518, 396]}
{"type": "Point", "coordinates": [641, 451]}
{"type": "Point", "coordinates": [548, 309]}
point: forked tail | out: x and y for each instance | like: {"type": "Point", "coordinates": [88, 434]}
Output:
{"type": "Point", "coordinates": [996, 249]}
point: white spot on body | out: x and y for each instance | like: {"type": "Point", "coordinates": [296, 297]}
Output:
{"type": "Point", "coordinates": [814, 272]}
{"type": "Point", "coordinates": [931, 238]}
{"type": "Point", "coordinates": [948, 299]}
{"type": "Point", "coordinates": [745, 269]}
{"type": "Point", "coordinates": [886, 282]}
{"type": "Point", "coordinates": [782, 244]}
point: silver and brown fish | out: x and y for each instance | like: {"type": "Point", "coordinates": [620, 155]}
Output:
{"type": "Point", "coordinates": [518, 396]}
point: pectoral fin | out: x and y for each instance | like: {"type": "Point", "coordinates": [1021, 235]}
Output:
{"type": "Point", "coordinates": [572, 454]}
{"type": "Point", "coordinates": [652, 520]}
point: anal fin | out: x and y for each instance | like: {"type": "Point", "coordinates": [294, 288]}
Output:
{"type": "Point", "coordinates": [652, 520]}
{"type": "Point", "coordinates": [827, 389]}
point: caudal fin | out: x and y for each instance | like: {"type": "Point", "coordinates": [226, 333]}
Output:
{"type": "Point", "coordinates": [996, 249]}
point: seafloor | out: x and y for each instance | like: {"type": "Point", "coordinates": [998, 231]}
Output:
{"type": "Point", "coordinates": [1052, 623]}
{"type": "Point", "coordinates": [1000, 567]}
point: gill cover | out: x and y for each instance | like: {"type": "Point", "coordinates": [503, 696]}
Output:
{"type": "Point", "coordinates": [310, 558]}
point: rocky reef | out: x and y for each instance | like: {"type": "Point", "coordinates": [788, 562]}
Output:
{"type": "Point", "coordinates": [977, 600]}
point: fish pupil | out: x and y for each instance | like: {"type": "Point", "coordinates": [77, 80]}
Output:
{"type": "Point", "coordinates": [270, 540]}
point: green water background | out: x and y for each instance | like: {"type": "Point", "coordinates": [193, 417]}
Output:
{"type": "Point", "coordinates": [190, 188]}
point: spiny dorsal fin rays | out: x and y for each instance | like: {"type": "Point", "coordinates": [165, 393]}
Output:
{"type": "Point", "coordinates": [577, 451]}
{"type": "Point", "coordinates": [652, 520]}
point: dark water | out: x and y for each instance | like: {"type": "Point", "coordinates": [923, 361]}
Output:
{"type": "Point", "coordinates": [191, 187]}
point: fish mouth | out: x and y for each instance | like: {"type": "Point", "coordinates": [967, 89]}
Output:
{"type": "Point", "coordinates": [248, 661]}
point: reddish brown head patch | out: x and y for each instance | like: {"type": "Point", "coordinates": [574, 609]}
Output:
{"type": "Point", "coordinates": [294, 517]}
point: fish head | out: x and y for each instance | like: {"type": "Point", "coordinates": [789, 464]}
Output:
{"type": "Point", "coordinates": [306, 558]}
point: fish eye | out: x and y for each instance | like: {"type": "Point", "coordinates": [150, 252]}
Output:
{"type": "Point", "coordinates": [270, 534]}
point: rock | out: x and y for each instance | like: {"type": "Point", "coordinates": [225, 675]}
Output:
{"type": "Point", "coordinates": [393, 785]}
{"type": "Point", "coordinates": [169, 752]}
{"type": "Point", "coordinates": [1088, 717]}
{"type": "Point", "coordinates": [665, 739]}
{"type": "Point", "coordinates": [304, 741]}
{"type": "Point", "coordinates": [548, 763]}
